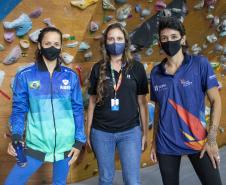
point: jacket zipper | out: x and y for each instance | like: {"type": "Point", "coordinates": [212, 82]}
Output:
{"type": "Point", "coordinates": [53, 115]}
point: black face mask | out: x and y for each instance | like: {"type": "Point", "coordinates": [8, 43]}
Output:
{"type": "Point", "coordinates": [50, 53]}
{"type": "Point", "coordinates": [171, 47]}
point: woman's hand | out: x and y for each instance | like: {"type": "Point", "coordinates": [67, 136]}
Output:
{"type": "Point", "coordinates": [88, 144]}
{"type": "Point", "coordinates": [74, 153]}
{"type": "Point", "coordinates": [153, 155]}
{"type": "Point", "coordinates": [213, 153]}
{"type": "Point", "coordinates": [144, 142]}
{"type": "Point", "coordinates": [10, 150]}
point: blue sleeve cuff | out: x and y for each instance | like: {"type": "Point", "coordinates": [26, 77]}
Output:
{"type": "Point", "coordinates": [78, 145]}
{"type": "Point", "coordinates": [16, 137]}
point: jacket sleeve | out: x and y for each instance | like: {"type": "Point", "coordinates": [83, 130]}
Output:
{"type": "Point", "coordinates": [208, 78]}
{"type": "Point", "coordinates": [78, 113]}
{"type": "Point", "coordinates": [20, 107]}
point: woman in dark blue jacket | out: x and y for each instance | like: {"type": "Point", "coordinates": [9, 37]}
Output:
{"type": "Point", "coordinates": [178, 88]}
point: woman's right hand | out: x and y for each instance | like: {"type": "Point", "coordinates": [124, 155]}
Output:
{"type": "Point", "coordinates": [88, 143]}
{"type": "Point", "coordinates": [153, 155]}
{"type": "Point", "coordinates": [11, 151]}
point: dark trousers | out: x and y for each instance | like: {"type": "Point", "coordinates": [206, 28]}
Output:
{"type": "Point", "coordinates": [170, 165]}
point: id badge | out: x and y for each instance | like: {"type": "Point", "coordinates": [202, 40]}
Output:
{"type": "Point", "coordinates": [115, 104]}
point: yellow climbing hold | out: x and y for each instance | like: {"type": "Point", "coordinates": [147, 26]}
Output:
{"type": "Point", "coordinates": [83, 4]}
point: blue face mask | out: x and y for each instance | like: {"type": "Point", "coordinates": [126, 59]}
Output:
{"type": "Point", "coordinates": [115, 48]}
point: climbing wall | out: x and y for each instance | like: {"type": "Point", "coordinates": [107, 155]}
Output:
{"type": "Point", "coordinates": [75, 22]}
{"type": "Point", "coordinates": [197, 28]}
{"type": "Point", "coordinates": [70, 20]}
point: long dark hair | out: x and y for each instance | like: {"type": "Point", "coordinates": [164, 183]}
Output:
{"type": "Point", "coordinates": [175, 24]}
{"type": "Point", "coordinates": [44, 31]}
{"type": "Point", "coordinates": [126, 57]}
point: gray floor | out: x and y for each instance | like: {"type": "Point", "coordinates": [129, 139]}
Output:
{"type": "Point", "coordinates": [151, 175]}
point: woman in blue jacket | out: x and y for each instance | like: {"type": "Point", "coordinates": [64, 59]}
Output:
{"type": "Point", "coordinates": [47, 97]}
{"type": "Point", "coordinates": [178, 88]}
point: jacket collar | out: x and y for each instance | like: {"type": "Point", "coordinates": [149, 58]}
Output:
{"type": "Point", "coordinates": [162, 64]}
{"type": "Point", "coordinates": [42, 66]}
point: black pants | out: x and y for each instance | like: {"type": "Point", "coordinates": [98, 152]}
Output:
{"type": "Point", "coordinates": [170, 165]}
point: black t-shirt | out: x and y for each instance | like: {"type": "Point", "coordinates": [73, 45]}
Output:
{"type": "Point", "coordinates": [134, 83]}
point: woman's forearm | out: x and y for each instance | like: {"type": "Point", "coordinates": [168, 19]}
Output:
{"type": "Point", "coordinates": [143, 113]}
{"type": "Point", "coordinates": [215, 115]}
{"type": "Point", "coordinates": [91, 107]}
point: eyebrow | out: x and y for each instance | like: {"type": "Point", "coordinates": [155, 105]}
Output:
{"type": "Point", "coordinates": [115, 37]}
{"type": "Point", "coordinates": [174, 34]}
{"type": "Point", "coordinates": [51, 42]}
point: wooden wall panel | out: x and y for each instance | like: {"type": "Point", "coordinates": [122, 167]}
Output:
{"type": "Point", "coordinates": [197, 28]}
{"type": "Point", "coordinates": [75, 22]}
{"type": "Point", "coordinates": [69, 20]}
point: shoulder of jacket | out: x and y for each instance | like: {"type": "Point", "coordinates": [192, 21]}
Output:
{"type": "Point", "coordinates": [156, 68]}
{"type": "Point", "coordinates": [199, 58]}
{"type": "Point", "coordinates": [68, 70]}
{"type": "Point", "coordinates": [25, 69]}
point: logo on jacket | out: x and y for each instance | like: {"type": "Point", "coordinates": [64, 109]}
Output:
{"type": "Point", "coordinates": [212, 77]}
{"type": "Point", "coordinates": [185, 83]}
{"type": "Point", "coordinates": [161, 87]}
{"type": "Point", "coordinates": [65, 82]}
{"type": "Point", "coordinates": [34, 85]}
{"type": "Point", "coordinates": [65, 85]}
